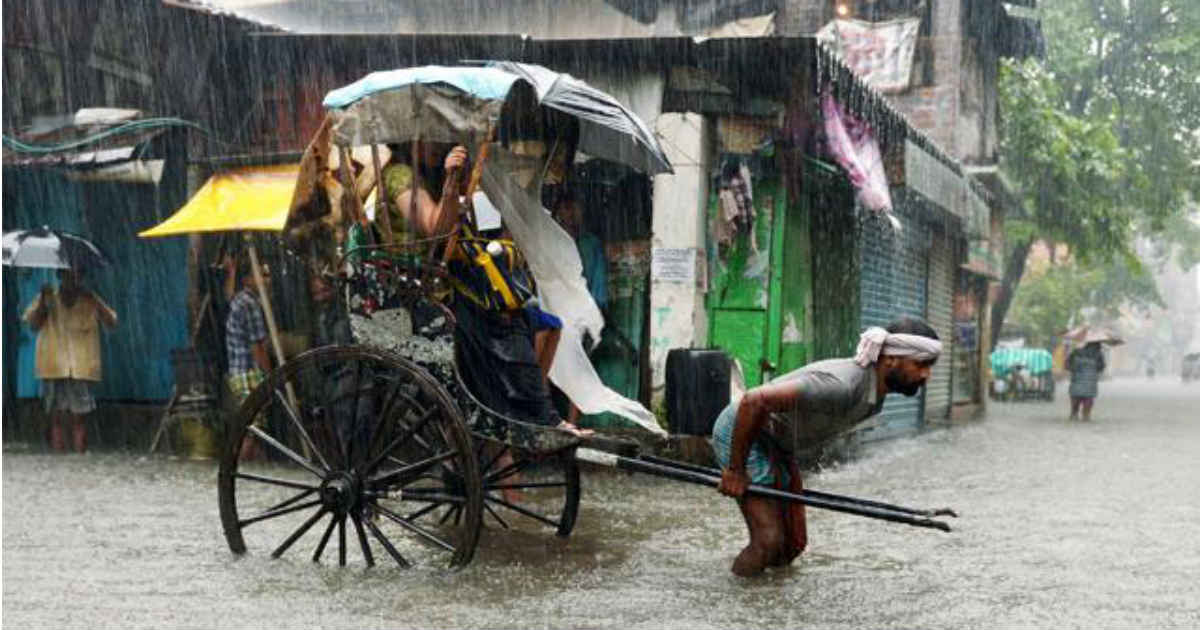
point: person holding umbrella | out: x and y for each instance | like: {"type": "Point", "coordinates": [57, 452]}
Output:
{"type": "Point", "coordinates": [1085, 365]}
{"type": "Point", "coordinates": [67, 359]}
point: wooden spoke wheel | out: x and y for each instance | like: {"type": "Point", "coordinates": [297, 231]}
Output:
{"type": "Point", "coordinates": [351, 450]}
{"type": "Point", "coordinates": [525, 490]}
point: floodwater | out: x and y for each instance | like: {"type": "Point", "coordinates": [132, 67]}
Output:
{"type": "Point", "coordinates": [1062, 525]}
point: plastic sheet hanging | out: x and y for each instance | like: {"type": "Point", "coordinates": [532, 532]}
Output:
{"type": "Point", "coordinates": [853, 144]}
{"type": "Point", "coordinates": [558, 270]}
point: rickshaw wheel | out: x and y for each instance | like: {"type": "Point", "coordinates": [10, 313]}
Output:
{"type": "Point", "coordinates": [521, 488]}
{"type": "Point", "coordinates": [359, 439]}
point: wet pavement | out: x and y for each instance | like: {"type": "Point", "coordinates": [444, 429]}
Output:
{"type": "Point", "coordinates": [1062, 525]}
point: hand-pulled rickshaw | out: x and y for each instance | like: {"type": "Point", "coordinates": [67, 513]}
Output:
{"type": "Point", "coordinates": [382, 435]}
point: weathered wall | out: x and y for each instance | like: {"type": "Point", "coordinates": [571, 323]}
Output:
{"type": "Point", "coordinates": [802, 17]}
{"type": "Point", "coordinates": [677, 315]}
{"type": "Point", "coordinates": [541, 19]}
{"type": "Point", "coordinates": [934, 109]}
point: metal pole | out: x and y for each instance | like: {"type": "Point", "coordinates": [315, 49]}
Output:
{"type": "Point", "coordinates": [383, 205]}
{"type": "Point", "coordinates": [814, 493]}
{"type": "Point", "coordinates": [712, 481]}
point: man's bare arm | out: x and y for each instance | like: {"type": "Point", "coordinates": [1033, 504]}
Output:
{"type": "Point", "coordinates": [753, 410]}
{"type": "Point", "coordinates": [437, 219]}
{"type": "Point", "coordinates": [259, 351]}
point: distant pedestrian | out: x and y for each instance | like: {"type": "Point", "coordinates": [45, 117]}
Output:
{"type": "Point", "coordinates": [246, 342]}
{"type": "Point", "coordinates": [68, 353]}
{"type": "Point", "coordinates": [1085, 365]}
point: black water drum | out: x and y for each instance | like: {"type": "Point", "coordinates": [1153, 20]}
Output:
{"type": "Point", "coordinates": [697, 389]}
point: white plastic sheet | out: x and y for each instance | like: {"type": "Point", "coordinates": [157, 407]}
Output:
{"type": "Point", "coordinates": [556, 266]}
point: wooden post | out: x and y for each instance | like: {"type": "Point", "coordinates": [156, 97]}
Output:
{"type": "Point", "coordinates": [346, 174]}
{"type": "Point", "coordinates": [266, 302]}
{"type": "Point", "coordinates": [272, 329]}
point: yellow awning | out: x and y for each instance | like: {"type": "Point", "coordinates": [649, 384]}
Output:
{"type": "Point", "coordinates": [255, 198]}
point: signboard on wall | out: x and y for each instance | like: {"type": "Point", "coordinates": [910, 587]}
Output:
{"type": "Point", "coordinates": [675, 265]}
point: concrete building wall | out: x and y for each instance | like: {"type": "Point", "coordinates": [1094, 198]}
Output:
{"type": "Point", "coordinates": [677, 315]}
{"type": "Point", "coordinates": [802, 17]}
{"type": "Point", "coordinates": [935, 109]}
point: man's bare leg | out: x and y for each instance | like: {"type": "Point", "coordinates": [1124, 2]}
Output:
{"type": "Point", "coordinates": [764, 520]}
{"type": "Point", "coordinates": [512, 495]}
{"type": "Point", "coordinates": [545, 344]}
{"type": "Point", "coordinates": [249, 449]}
{"type": "Point", "coordinates": [794, 519]}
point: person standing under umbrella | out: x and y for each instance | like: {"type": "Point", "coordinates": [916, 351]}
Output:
{"type": "Point", "coordinates": [67, 360]}
{"type": "Point", "coordinates": [1085, 365]}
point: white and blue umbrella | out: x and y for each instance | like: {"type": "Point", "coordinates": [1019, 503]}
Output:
{"type": "Point", "coordinates": [44, 248]}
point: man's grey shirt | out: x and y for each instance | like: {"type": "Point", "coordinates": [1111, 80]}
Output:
{"type": "Point", "coordinates": [835, 395]}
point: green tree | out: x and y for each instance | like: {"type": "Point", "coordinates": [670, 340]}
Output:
{"type": "Point", "coordinates": [1050, 300]}
{"type": "Point", "coordinates": [1100, 137]}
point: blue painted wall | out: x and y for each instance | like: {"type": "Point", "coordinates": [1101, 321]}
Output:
{"type": "Point", "coordinates": [147, 283]}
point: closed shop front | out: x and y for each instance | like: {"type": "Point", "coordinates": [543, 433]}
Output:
{"type": "Point", "coordinates": [894, 268]}
{"type": "Point", "coordinates": [939, 314]}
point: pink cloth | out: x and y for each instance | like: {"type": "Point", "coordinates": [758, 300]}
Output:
{"type": "Point", "coordinates": [853, 145]}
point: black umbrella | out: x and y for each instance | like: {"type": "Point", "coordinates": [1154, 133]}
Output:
{"type": "Point", "coordinates": [44, 248]}
{"type": "Point", "coordinates": [607, 129]}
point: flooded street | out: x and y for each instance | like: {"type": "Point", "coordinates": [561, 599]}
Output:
{"type": "Point", "coordinates": [1062, 525]}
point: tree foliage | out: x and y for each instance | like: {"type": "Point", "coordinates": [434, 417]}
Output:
{"type": "Point", "coordinates": [1073, 293]}
{"type": "Point", "coordinates": [1133, 64]}
{"type": "Point", "coordinates": [1101, 137]}
{"type": "Point", "coordinates": [1071, 170]}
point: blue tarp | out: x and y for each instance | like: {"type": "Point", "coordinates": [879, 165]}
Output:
{"type": "Point", "coordinates": [481, 82]}
{"type": "Point", "coordinates": [1035, 360]}
{"type": "Point", "coordinates": [146, 283]}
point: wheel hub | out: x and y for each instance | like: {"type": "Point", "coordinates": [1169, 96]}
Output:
{"type": "Point", "coordinates": [340, 492]}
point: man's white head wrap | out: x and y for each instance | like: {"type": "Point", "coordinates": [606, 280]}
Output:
{"type": "Point", "coordinates": [876, 341]}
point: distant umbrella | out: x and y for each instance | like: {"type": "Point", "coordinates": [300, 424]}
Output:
{"type": "Point", "coordinates": [44, 248]}
{"type": "Point", "coordinates": [1093, 334]}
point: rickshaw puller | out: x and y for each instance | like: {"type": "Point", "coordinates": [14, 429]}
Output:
{"type": "Point", "coordinates": [753, 436]}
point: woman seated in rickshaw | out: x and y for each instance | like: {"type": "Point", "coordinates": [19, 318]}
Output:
{"type": "Point", "coordinates": [494, 330]}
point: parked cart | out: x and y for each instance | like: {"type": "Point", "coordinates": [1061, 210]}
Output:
{"type": "Point", "coordinates": [1022, 374]}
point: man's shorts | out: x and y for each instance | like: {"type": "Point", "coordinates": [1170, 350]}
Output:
{"type": "Point", "coordinates": [758, 464]}
{"type": "Point", "coordinates": [69, 395]}
{"type": "Point", "coordinates": [242, 383]}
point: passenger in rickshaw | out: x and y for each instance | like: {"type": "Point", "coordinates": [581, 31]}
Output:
{"type": "Point", "coordinates": [494, 329]}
